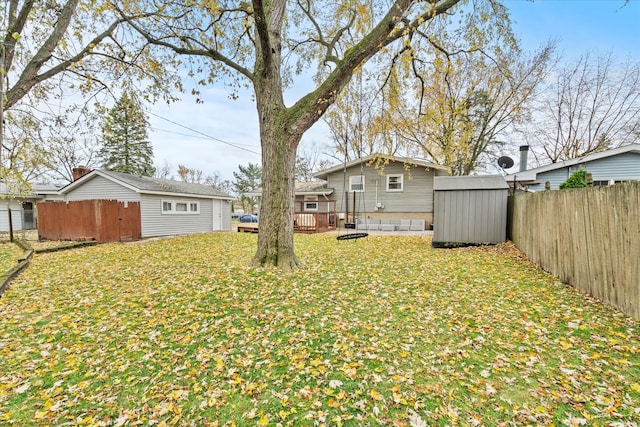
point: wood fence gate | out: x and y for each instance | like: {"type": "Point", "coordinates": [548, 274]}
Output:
{"type": "Point", "coordinates": [99, 220]}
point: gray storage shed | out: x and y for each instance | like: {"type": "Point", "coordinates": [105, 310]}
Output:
{"type": "Point", "coordinates": [469, 210]}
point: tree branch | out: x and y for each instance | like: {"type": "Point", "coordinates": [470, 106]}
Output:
{"type": "Point", "coordinates": [314, 104]}
{"type": "Point", "coordinates": [262, 33]}
{"type": "Point", "coordinates": [209, 53]}
{"type": "Point", "coordinates": [29, 76]}
{"type": "Point", "coordinates": [16, 25]}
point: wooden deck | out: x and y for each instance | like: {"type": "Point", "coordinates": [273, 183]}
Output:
{"type": "Point", "coordinates": [321, 219]}
{"type": "Point", "coordinates": [247, 229]}
{"type": "Point", "coordinates": [314, 222]}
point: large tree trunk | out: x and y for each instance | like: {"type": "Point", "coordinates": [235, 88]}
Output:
{"type": "Point", "coordinates": [275, 237]}
{"type": "Point", "coordinates": [279, 138]}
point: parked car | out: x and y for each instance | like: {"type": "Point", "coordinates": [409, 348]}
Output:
{"type": "Point", "coordinates": [248, 218]}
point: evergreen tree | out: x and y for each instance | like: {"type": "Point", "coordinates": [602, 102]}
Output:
{"type": "Point", "coordinates": [125, 147]}
{"type": "Point", "coordinates": [249, 178]}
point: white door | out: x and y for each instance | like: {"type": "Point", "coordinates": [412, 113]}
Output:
{"type": "Point", "coordinates": [217, 215]}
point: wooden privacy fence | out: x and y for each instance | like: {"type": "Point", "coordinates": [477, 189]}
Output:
{"type": "Point", "coordinates": [589, 238]}
{"type": "Point", "coordinates": [99, 220]}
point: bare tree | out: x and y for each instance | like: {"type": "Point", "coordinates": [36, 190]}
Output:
{"type": "Point", "coordinates": [219, 183]}
{"type": "Point", "coordinates": [310, 159]}
{"type": "Point", "coordinates": [192, 175]}
{"type": "Point", "coordinates": [197, 176]}
{"type": "Point", "coordinates": [592, 104]}
{"type": "Point", "coordinates": [66, 153]}
{"type": "Point", "coordinates": [164, 171]}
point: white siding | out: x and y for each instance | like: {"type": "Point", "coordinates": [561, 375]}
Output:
{"type": "Point", "coordinates": [100, 188]}
{"type": "Point", "coordinates": [226, 214]}
{"type": "Point", "coordinates": [155, 223]}
{"type": "Point", "coordinates": [16, 215]}
{"type": "Point", "coordinates": [417, 194]}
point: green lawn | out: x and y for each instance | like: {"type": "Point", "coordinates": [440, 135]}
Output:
{"type": "Point", "coordinates": [383, 330]}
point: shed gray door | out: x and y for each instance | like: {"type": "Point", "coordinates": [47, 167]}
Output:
{"type": "Point", "coordinates": [470, 216]}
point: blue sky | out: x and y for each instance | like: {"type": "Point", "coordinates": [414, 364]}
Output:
{"type": "Point", "coordinates": [578, 26]}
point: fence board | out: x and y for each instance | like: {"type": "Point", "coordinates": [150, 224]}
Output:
{"type": "Point", "coordinates": [589, 238]}
{"type": "Point", "coordinates": [100, 220]}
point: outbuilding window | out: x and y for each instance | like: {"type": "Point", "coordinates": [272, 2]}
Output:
{"type": "Point", "coordinates": [173, 207]}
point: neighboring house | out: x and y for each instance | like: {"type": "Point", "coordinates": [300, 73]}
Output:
{"type": "Point", "coordinates": [607, 167]}
{"type": "Point", "coordinates": [166, 207]}
{"type": "Point", "coordinates": [23, 208]}
{"type": "Point", "coordinates": [383, 187]}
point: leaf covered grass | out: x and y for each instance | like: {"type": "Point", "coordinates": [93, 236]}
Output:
{"type": "Point", "coordinates": [9, 254]}
{"type": "Point", "coordinates": [383, 330]}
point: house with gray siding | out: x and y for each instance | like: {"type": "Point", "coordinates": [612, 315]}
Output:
{"type": "Point", "coordinates": [609, 167]}
{"type": "Point", "coordinates": [382, 187]}
{"type": "Point", "coordinates": [167, 207]}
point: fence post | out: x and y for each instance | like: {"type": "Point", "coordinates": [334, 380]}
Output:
{"type": "Point", "coordinates": [10, 225]}
{"type": "Point", "coordinates": [510, 201]}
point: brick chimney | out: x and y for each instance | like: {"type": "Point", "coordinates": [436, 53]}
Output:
{"type": "Point", "coordinates": [79, 172]}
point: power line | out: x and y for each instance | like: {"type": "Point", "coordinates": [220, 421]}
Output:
{"type": "Point", "coordinates": [189, 135]}
{"type": "Point", "coordinates": [204, 134]}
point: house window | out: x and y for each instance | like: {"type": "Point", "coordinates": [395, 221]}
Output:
{"type": "Point", "coordinates": [310, 203]}
{"type": "Point", "coordinates": [172, 207]}
{"type": "Point", "coordinates": [356, 183]}
{"type": "Point", "coordinates": [395, 182]}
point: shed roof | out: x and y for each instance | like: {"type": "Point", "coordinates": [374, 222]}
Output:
{"type": "Point", "coordinates": [455, 183]}
{"type": "Point", "coordinates": [150, 185]}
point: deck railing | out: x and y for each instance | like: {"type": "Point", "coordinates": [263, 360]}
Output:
{"type": "Point", "coordinates": [315, 216]}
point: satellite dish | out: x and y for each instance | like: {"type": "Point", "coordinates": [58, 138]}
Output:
{"type": "Point", "coordinates": [505, 162]}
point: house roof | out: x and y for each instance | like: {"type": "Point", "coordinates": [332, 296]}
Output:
{"type": "Point", "coordinates": [371, 158]}
{"type": "Point", "coordinates": [38, 190]}
{"type": "Point", "coordinates": [150, 185]}
{"type": "Point", "coordinates": [310, 188]}
{"type": "Point", "coordinates": [486, 182]}
{"type": "Point", "coordinates": [531, 174]}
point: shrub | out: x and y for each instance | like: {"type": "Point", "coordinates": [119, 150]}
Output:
{"type": "Point", "coordinates": [578, 179]}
